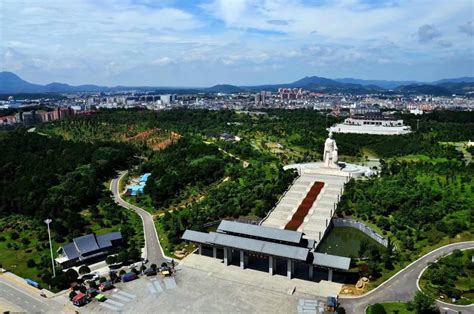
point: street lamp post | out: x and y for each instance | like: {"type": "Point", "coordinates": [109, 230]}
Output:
{"type": "Point", "coordinates": [48, 221]}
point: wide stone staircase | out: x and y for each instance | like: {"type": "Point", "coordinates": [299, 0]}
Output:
{"type": "Point", "coordinates": [319, 216]}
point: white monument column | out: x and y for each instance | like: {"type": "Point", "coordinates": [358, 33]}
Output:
{"type": "Point", "coordinates": [242, 259]}
{"type": "Point", "coordinates": [330, 275]}
{"type": "Point", "coordinates": [289, 269]}
{"type": "Point", "coordinates": [214, 252]}
{"type": "Point", "coordinates": [226, 257]}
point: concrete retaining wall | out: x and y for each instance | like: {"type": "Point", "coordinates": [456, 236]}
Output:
{"type": "Point", "coordinates": [340, 222]}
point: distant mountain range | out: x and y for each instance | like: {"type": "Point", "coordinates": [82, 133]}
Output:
{"type": "Point", "coordinates": [10, 83]}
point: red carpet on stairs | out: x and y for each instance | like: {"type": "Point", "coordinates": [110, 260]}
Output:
{"type": "Point", "coordinates": [305, 206]}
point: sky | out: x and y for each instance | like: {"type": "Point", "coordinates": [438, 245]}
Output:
{"type": "Point", "coordinates": [241, 42]}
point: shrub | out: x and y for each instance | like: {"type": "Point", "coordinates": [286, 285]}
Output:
{"type": "Point", "coordinates": [14, 235]}
{"type": "Point", "coordinates": [30, 263]}
{"type": "Point", "coordinates": [111, 259]}
{"type": "Point", "coordinates": [377, 308]}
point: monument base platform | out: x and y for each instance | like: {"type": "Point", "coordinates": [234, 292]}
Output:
{"type": "Point", "coordinates": [344, 170]}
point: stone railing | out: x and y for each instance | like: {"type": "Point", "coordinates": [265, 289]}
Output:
{"type": "Point", "coordinates": [340, 222]}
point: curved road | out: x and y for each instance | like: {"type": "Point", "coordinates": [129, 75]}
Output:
{"type": "Point", "coordinates": [403, 285]}
{"type": "Point", "coordinates": [153, 251]}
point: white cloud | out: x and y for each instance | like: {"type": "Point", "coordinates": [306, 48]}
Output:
{"type": "Point", "coordinates": [163, 61]}
{"type": "Point", "coordinates": [87, 40]}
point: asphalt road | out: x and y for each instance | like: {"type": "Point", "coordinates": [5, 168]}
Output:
{"type": "Point", "coordinates": [24, 300]}
{"type": "Point", "coordinates": [402, 286]}
{"type": "Point", "coordinates": [153, 250]}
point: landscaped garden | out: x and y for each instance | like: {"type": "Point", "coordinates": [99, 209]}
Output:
{"type": "Point", "coordinates": [421, 201]}
{"type": "Point", "coordinates": [450, 279]}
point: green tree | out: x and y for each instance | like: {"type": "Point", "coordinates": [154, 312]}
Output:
{"type": "Point", "coordinates": [424, 304]}
{"type": "Point", "coordinates": [377, 308]}
{"type": "Point", "coordinates": [84, 269]}
{"type": "Point", "coordinates": [112, 259]}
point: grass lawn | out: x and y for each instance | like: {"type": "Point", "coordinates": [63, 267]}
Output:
{"type": "Point", "coordinates": [345, 241]}
{"type": "Point", "coordinates": [392, 308]}
{"type": "Point", "coordinates": [14, 254]}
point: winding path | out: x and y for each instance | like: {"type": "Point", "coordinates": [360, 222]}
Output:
{"type": "Point", "coordinates": [153, 251]}
{"type": "Point", "coordinates": [403, 285]}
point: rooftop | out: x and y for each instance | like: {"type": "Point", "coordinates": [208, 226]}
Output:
{"type": "Point", "coordinates": [258, 231]}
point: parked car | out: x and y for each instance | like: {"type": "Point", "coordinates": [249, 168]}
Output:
{"type": "Point", "coordinates": [91, 276]}
{"type": "Point", "coordinates": [33, 283]}
{"type": "Point", "coordinates": [100, 297]}
{"type": "Point", "coordinates": [107, 285]}
{"type": "Point", "coordinates": [165, 271]}
{"type": "Point", "coordinates": [91, 292]}
{"type": "Point", "coordinates": [150, 272]}
{"type": "Point", "coordinates": [129, 277]}
{"type": "Point", "coordinates": [80, 299]}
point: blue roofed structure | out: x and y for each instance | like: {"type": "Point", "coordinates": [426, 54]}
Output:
{"type": "Point", "coordinates": [144, 178]}
{"type": "Point", "coordinates": [86, 244]}
{"type": "Point", "coordinates": [88, 247]}
{"type": "Point", "coordinates": [134, 190]}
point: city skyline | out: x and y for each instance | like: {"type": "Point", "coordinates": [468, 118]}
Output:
{"type": "Point", "coordinates": [175, 43]}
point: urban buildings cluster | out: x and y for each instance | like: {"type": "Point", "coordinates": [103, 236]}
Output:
{"type": "Point", "coordinates": [31, 111]}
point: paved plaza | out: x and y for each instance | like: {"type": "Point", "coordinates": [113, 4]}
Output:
{"type": "Point", "coordinates": [195, 291]}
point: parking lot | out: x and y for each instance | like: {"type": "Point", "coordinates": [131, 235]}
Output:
{"type": "Point", "coordinates": [191, 290]}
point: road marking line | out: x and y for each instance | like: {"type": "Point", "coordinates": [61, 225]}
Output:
{"type": "Point", "coordinates": [151, 288]}
{"type": "Point", "coordinates": [158, 286]}
{"type": "Point", "coordinates": [170, 283]}
{"type": "Point", "coordinates": [129, 295]}
{"type": "Point", "coordinates": [114, 302]}
{"type": "Point", "coordinates": [121, 297]}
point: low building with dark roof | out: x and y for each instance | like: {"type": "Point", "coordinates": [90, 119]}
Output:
{"type": "Point", "coordinates": [272, 243]}
{"type": "Point", "coordinates": [88, 247]}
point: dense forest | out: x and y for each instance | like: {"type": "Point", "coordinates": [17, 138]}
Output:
{"type": "Point", "coordinates": [245, 191]}
{"type": "Point", "coordinates": [416, 204]}
{"type": "Point", "coordinates": [44, 177]}
{"type": "Point", "coordinates": [201, 178]}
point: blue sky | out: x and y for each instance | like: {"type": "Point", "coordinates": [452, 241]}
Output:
{"type": "Point", "coordinates": [243, 42]}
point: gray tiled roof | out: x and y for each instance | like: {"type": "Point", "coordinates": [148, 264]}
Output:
{"type": "Point", "coordinates": [257, 246]}
{"type": "Point", "coordinates": [70, 251]}
{"type": "Point", "coordinates": [331, 261]}
{"type": "Point", "coordinates": [86, 244]}
{"type": "Point", "coordinates": [105, 239]}
{"type": "Point", "coordinates": [260, 231]}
